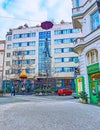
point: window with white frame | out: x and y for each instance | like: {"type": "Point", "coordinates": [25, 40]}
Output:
{"type": "Point", "coordinates": [95, 21]}
{"type": "Point", "coordinates": [7, 63]}
{"type": "Point", "coordinates": [77, 3]}
{"type": "Point", "coordinates": [92, 57]}
{"type": "Point", "coordinates": [9, 46]}
{"type": "Point", "coordinates": [9, 38]}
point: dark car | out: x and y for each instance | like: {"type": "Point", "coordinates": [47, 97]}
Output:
{"type": "Point", "coordinates": [64, 92]}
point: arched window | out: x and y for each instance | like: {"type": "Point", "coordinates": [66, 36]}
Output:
{"type": "Point", "coordinates": [92, 57]}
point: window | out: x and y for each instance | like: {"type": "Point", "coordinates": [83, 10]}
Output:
{"type": "Point", "coordinates": [7, 72]}
{"type": "Point", "coordinates": [9, 46]}
{"type": "Point", "coordinates": [32, 61]}
{"type": "Point", "coordinates": [64, 69]}
{"type": "Point", "coordinates": [30, 71]}
{"type": "Point", "coordinates": [14, 71]}
{"type": "Point", "coordinates": [92, 57]}
{"type": "Point", "coordinates": [32, 52]}
{"type": "Point", "coordinates": [32, 43]}
{"type": "Point", "coordinates": [68, 49]}
{"type": "Point", "coordinates": [65, 31]}
{"type": "Point", "coordinates": [95, 20]}
{"type": "Point", "coordinates": [15, 53]}
{"type": "Point", "coordinates": [16, 36]}
{"type": "Point", "coordinates": [66, 59]}
{"type": "Point", "coordinates": [58, 59]}
{"type": "Point", "coordinates": [77, 3]}
{"type": "Point", "coordinates": [33, 34]}
{"type": "Point", "coordinates": [24, 35]}
{"type": "Point", "coordinates": [75, 30]}
{"type": "Point", "coordinates": [23, 44]}
{"type": "Point", "coordinates": [15, 62]}
{"type": "Point", "coordinates": [58, 70]}
{"type": "Point", "coordinates": [8, 54]}
{"type": "Point", "coordinates": [7, 63]}
{"type": "Point", "coordinates": [58, 50]}
{"type": "Point", "coordinates": [68, 69]}
{"type": "Point", "coordinates": [66, 40]}
{"type": "Point", "coordinates": [9, 38]}
{"type": "Point", "coordinates": [15, 45]}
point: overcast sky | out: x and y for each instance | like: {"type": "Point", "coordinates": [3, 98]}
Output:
{"type": "Point", "coordinates": [14, 13]}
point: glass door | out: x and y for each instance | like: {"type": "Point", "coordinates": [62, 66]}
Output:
{"type": "Point", "coordinates": [98, 85]}
{"type": "Point", "coordinates": [93, 92]}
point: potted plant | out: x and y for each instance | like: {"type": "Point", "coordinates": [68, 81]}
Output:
{"type": "Point", "coordinates": [84, 97]}
{"type": "Point", "coordinates": [37, 91]}
{"type": "Point", "coordinates": [1, 92]}
{"type": "Point", "coordinates": [98, 98]}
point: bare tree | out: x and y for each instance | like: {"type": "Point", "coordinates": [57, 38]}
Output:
{"type": "Point", "coordinates": [18, 63]}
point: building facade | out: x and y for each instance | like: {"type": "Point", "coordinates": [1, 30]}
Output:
{"type": "Point", "coordinates": [1, 60]}
{"type": "Point", "coordinates": [86, 16]}
{"type": "Point", "coordinates": [45, 54]}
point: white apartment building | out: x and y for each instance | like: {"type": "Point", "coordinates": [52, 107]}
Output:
{"type": "Point", "coordinates": [1, 60]}
{"type": "Point", "coordinates": [30, 48]}
{"type": "Point", "coordinates": [86, 16]}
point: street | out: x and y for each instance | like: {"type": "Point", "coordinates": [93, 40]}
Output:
{"type": "Point", "coordinates": [31, 112]}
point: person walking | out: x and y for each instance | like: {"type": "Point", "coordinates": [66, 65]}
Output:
{"type": "Point", "coordinates": [13, 91]}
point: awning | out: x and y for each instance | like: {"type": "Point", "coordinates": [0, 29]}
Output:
{"type": "Point", "coordinates": [23, 75]}
{"type": "Point", "coordinates": [96, 76]}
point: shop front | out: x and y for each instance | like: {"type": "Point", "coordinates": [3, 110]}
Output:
{"type": "Point", "coordinates": [79, 84]}
{"type": "Point", "coordinates": [94, 82]}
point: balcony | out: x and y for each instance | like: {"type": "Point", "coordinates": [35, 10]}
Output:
{"type": "Point", "coordinates": [79, 11]}
{"type": "Point", "coordinates": [84, 41]}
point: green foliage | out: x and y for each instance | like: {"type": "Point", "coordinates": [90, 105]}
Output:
{"type": "Point", "coordinates": [28, 88]}
{"type": "Point", "coordinates": [1, 91]}
{"type": "Point", "coordinates": [46, 90]}
{"type": "Point", "coordinates": [83, 95]}
{"type": "Point", "coordinates": [37, 91]}
{"type": "Point", "coordinates": [8, 88]}
{"type": "Point", "coordinates": [98, 96]}
{"type": "Point", "coordinates": [17, 88]}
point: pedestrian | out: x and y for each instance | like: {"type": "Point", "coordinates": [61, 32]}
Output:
{"type": "Point", "coordinates": [13, 91]}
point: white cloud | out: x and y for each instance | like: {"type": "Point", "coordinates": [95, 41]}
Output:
{"type": "Point", "coordinates": [31, 10]}
{"type": "Point", "coordinates": [64, 11]}
{"type": "Point", "coordinates": [51, 3]}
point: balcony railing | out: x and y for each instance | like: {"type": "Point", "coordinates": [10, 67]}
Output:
{"type": "Point", "coordinates": [91, 36]}
{"type": "Point", "coordinates": [82, 9]}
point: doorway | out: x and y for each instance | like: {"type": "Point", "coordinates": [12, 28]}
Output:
{"type": "Point", "coordinates": [94, 88]}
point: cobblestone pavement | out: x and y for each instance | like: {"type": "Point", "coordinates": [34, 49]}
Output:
{"type": "Point", "coordinates": [47, 113]}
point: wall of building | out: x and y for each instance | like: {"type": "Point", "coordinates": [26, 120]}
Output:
{"type": "Point", "coordinates": [90, 39]}
{"type": "Point", "coordinates": [1, 61]}
{"type": "Point", "coordinates": [57, 27]}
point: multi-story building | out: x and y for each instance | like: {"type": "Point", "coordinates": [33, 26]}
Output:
{"type": "Point", "coordinates": [85, 15]}
{"type": "Point", "coordinates": [1, 60]}
{"type": "Point", "coordinates": [42, 53]}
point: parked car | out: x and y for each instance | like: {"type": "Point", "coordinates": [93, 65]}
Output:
{"type": "Point", "coordinates": [64, 92]}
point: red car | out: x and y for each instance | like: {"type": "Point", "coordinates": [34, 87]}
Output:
{"type": "Point", "coordinates": [64, 92]}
